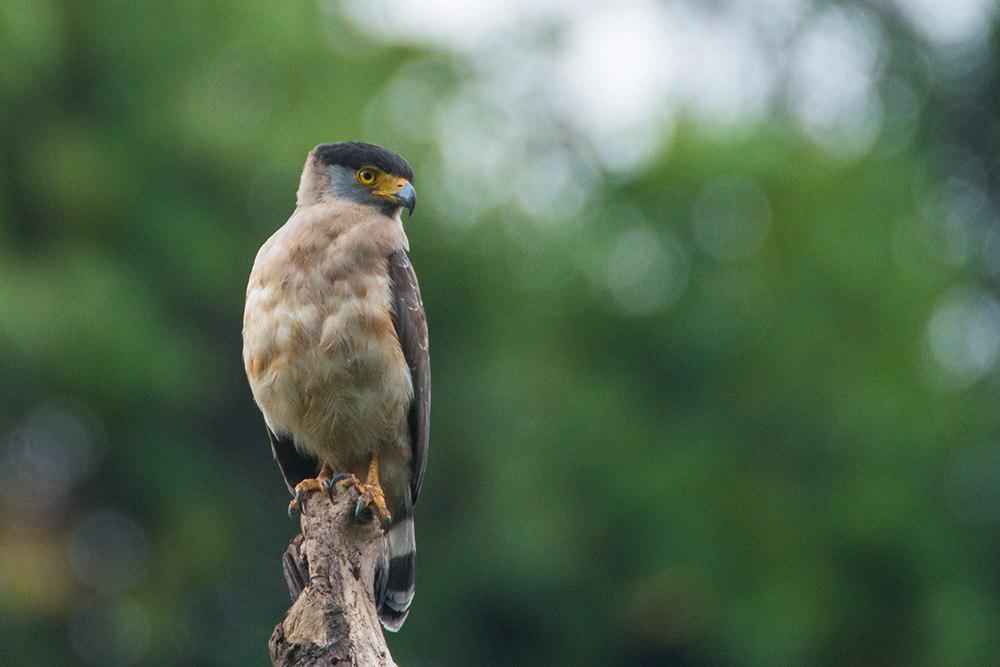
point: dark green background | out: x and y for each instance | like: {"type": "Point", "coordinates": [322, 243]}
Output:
{"type": "Point", "coordinates": [775, 467]}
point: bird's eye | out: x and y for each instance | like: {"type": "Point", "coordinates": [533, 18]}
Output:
{"type": "Point", "coordinates": [366, 176]}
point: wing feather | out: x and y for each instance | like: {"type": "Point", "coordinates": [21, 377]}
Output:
{"type": "Point", "coordinates": [410, 322]}
{"type": "Point", "coordinates": [295, 466]}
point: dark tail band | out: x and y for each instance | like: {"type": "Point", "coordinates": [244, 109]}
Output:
{"type": "Point", "coordinates": [395, 580]}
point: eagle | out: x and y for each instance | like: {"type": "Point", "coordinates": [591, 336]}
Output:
{"type": "Point", "coordinates": [335, 349]}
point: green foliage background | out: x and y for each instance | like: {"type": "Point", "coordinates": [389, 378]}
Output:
{"type": "Point", "coordinates": [761, 473]}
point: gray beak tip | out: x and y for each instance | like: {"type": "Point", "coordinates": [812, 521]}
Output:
{"type": "Point", "coordinates": [408, 198]}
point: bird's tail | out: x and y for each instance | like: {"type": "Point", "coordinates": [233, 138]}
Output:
{"type": "Point", "coordinates": [394, 577]}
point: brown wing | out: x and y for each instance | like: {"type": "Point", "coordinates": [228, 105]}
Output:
{"type": "Point", "coordinates": [411, 327]}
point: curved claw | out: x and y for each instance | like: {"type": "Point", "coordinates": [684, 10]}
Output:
{"type": "Point", "coordinates": [296, 504]}
{"type": "Point", "coordinates": [339, 477]}
{"type": "Point", "coordinates": [361, 511]}
{"type": "Point", "coordinates": [301, 490]}
{"type": "Point", "coordinates": [370, 504]}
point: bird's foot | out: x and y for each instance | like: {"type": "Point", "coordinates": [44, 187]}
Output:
{"type": "Point", "coordinates": [370, 496]}
{"type": "Point", "coordinates": [302, 488]}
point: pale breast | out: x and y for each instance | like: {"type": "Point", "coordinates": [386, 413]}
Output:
{"type": "Point", "coordinates": [322, 356]}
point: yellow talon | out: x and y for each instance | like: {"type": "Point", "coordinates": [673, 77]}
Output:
{"type": "Point", "coordinates": [371, 495]}
{"type": "Point", "coordinates": [320, 483]}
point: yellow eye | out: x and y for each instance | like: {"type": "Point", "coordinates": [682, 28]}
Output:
{"type": "Point", "coordinates": [366, 176]}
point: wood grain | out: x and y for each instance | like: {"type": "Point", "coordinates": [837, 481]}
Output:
{"type": "Point", "coordinates": [330, 569]}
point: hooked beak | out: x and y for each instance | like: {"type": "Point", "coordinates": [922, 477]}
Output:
{"type": "Point", "coordinates": [407, 197]}
{"type": "Point", "coordinates": [398, 191]}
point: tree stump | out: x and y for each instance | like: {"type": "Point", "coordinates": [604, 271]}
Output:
{"type": "Point", "coordinates": [330, 572]}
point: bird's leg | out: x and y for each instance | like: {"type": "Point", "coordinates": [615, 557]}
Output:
{"type": "Point", "coordinates": [373, 496]}
{"type": "Point", "coordinates": [320, 482]}
{"type": "Point", "coordinates": [370, 492]}
{"type": "Point", "coordinates": [370, 496]}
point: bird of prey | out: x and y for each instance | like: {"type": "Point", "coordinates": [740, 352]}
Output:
{"type": "Point", "coordinates": [335, 349]}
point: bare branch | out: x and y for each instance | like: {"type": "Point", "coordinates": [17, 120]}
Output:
{"type": "Point", "coordinates": [330, 570]}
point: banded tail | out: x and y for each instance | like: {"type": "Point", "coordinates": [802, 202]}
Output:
{"type": "Point", "coordinates": [394, 576]}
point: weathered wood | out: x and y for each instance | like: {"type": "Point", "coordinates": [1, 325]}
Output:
{"type": "Point", "coordinates": [330, 571]}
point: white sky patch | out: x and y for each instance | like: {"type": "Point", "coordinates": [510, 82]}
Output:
{"type": "Point", "coordinates": [832, 83]}
{"type": "Point", "coordinates": [455, 25]}
{"type": "Point", "coordinates": [950, 21]}
{"type": "Point", "coordinates": [621, 67]}
{"type": "Point", "coordinates": [728, 74]}
{"type": "Point", "coordinates": [616, 75]}
{"type": "Point", "coordinates": [574, 88]}
{"type": "Point", "coordinates": [616, 68]}
{"type": "Point", "coordinates": [776, 18]}
{"type": "Point", "coordinates": [963, 338]}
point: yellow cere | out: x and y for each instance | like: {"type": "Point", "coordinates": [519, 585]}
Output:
{"type": "Point", "coordinates": [380, 182]}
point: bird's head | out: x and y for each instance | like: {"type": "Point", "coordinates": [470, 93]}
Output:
{"type": "Point", "coordinates": [364, 174]}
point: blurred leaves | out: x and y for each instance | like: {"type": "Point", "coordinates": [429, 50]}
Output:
{"type": "Point", "coordinates": [732, 403]}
